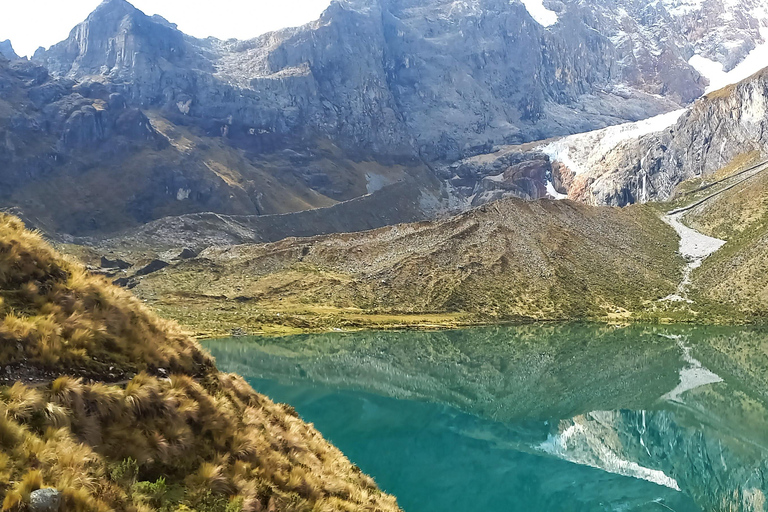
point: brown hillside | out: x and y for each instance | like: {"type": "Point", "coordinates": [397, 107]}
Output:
{"type": "Point", "coordinates": [119, 411]}
{"type": "Point", "coordinates": [507, 260]}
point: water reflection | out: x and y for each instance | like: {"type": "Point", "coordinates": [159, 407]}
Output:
{"type": "Point", "coordinates": [555, 417]}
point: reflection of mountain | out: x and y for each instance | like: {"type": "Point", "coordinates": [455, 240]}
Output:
{"type": "Point", "coordinates": [545, 384]}
{"type": "Point", "coordinates": [720, 470]}
{"type": "Point", "coordinates": [500, 373]}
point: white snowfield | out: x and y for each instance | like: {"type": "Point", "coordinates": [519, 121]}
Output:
{"type": "Point", "coordinates": [582, 151]}
{"type": "Point", "coordinates": [541, 14]}
{"type": "Point", "coordinates": [756, 60]}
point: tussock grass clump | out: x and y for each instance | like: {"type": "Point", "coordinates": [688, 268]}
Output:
{"type": "Point", "coordinates": [177, 436]}
{"type": "Point", "coordinates": [55, 314]}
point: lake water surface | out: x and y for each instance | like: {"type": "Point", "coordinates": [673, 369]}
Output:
{"type": "Point", "coordinates": [534, 418]}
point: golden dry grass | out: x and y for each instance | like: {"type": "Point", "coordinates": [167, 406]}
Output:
{"type": "Point", "coordinates": [178, 435]}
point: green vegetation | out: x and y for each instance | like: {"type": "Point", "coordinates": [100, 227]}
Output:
{"type": "Point", "coordinates": [120, 411]}
{"type": "Point", "coordinates": [507, 261]}
{"type": "Point", "coordinates": [732, 281]}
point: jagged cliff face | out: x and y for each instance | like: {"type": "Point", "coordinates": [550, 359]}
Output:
{"type": "Point", "coordinates": [722, 128]}
{"type": "Point", "coordinates": [389, 78]}
{"type": "Point", "coordinates": [375, 93]}
{"type": "Point", "coordinates": [6, 50]}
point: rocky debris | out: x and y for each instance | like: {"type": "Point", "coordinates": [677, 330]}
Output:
{"type": "Point", "coordinates": [153, 266]}
{"type": "Point", "coordinates": [116, 263]}
{"type": "Point", "coordinates": [45, 500]}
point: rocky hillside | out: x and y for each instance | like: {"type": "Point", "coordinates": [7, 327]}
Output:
{"type": "Point", "coordinates": [734, 277]}
{"type": "Point", "coordinates": [510, 260]}
{"type": "Point", "coordinates": [103, 406]}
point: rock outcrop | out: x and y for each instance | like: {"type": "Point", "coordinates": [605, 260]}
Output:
{"type": "Point", "coordinates": [720, 129]}
{"type": "Point", "coordinates": [6, 50]}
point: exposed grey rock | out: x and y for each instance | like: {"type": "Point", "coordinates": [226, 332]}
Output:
{"type": "Point", "coordinates": [382, 77]}
{"type": "Point", "coordinates": [717, 129]}
{"type": "Point", "coordinates": [44, 500]}
{"type": "Point", "coordinates": [117, 263]}
{"type": "Point", "coordinates": [6, 50]}
{"type": "Point", "coordinates": [152, 267]}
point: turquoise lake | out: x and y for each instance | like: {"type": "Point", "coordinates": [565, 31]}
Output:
{"type": "Point", "coordinates": [533, 418]}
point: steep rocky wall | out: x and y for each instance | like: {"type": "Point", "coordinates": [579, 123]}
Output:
{"type": "Point", "coordinates": [717, 129]}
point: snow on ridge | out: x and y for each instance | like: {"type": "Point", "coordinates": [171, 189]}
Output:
{"type": "Point", "coordinates": [582, 151]}
{"type": "Point", "coordinates": [541, 14]}
{"type": "Point", "coordinates": [553, 193]}
{"type": "Point", "coordinates": [756, 60]}
{"type": "Point", "coordinates": [577, 444]}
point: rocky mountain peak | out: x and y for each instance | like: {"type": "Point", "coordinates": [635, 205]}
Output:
{"type": "Point", "coordinates": [6, 50]}
{"type": "Point", "coordinates": [115, 38]}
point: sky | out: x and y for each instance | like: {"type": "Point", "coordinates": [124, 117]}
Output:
{"type": "Point", "coordinates": [30, 24]}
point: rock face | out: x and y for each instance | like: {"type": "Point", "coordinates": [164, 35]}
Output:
{"type": "Point", "coordinates": [723, 128]}
{"type": "Point", "coordinates": [383, 77]}
{"type": "Point", "coordinates": [44, 500]}
{"type": "Point", "coordinates": [374, 94]}
{"type": "Point", "coordinates": [6, 50]}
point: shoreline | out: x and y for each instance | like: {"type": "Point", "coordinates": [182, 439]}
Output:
{"type": "Point", "coordinates": [416, 327]}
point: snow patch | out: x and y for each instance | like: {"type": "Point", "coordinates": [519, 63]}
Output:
{"type": "Point", "coordinates": [582, 151]}
{"type": "Point", "coordinates": [553, 193]}
{"type": "Point", "coordinates": [719, 78]}
{"type": "Point", "coordinates": [576, 444]}
{"type": "Point", "coordinates": [541, 14]}
{"type": "Point", "coordinates": [682, 7]}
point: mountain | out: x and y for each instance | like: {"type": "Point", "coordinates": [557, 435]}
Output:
{"type": "Point", "coordinates": [510, 260]}
{"type": "Point", "coordinates": [389, 79]}
{"type": "Point", "coordinates": [79, 159]}
{"type": "Point", "coordinates": [6, 50]}
{"type": "Point", "coordinates": [129, 120]}
{"type": "Point", "coordinates": [107, 407]}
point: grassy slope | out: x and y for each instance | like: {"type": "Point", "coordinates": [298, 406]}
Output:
{"type": "Point", "coordinates": [510, 260]}
{"type": "Point", "coordinates": [733, 279]}
{"type": "Point", "coordinates": [176, 435]}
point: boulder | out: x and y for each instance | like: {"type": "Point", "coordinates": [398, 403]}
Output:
{"type": "Point", "coordinates": [118, 263]}
{"type": "Point", "coordinates": [153, 266]}
{"type": "Point", "coordinates": [45, 500]}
